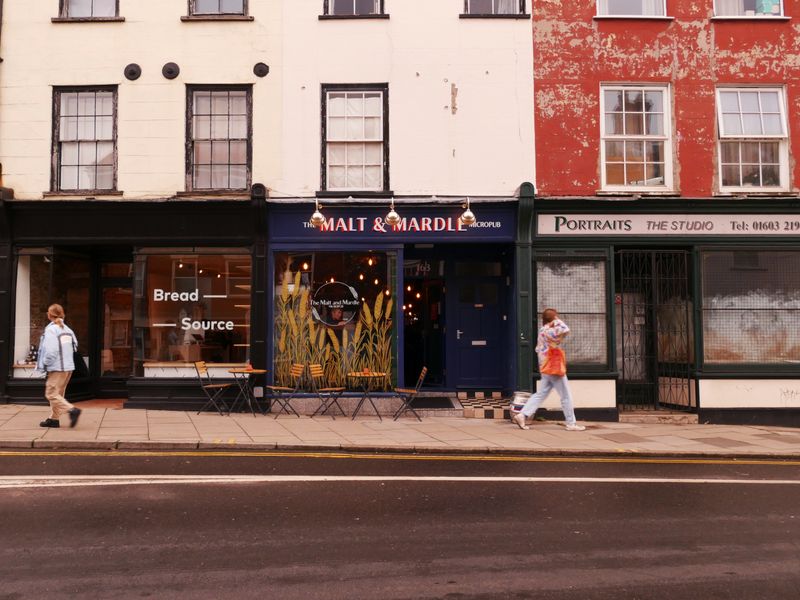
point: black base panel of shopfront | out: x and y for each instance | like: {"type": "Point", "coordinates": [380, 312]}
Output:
{"type": "Point", "coordinates": [32, 392]}
{"type": "Point", "coordinates": [167, 394]}
{"type": "Point", "coordinates": [777, 417]}
{"type": "Point", "coordinates": [603, 415]}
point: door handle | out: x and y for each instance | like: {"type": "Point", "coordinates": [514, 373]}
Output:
{"type": "Point", "coordinates": [458, 334]}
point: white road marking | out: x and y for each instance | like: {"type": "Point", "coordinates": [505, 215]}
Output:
{"type": "Point", "coordinates": [109, 480]}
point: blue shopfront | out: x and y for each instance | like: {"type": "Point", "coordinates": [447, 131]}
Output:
{"type": "Point", "coordinates": [359, 294]}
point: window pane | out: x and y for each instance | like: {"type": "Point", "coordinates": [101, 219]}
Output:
{"type": "Point", "coordinates": [336, 177]}
{"type": "Point", "coordinates": [655, 124]}
{"type": "Point", "coordinates": [68, 129]}
{"type": "Point", "coordinates": [202, 103]}
{"type": "Point", "coordinates": [232, 7]}
{"type": "Point", "coordinates": [366, 7]}
{"type": "Point", "coordinates": [506, 7]}
{"type": "Point", "coordinates": [86, 178]}
{"type": "Point", "coordinates": [355, 105]}
{"type": "Point", "coordinates": [632, 7]}
{"type": "Point", "coordinates": [202, 128]}
{"type": "Point", "coordinates": [69, 153]}
{"type": "Point", "coordinates": [69, 178]}
{"type": "Point", "coordinates": [86, 130]}
{"type": "Point", "coordinates": [752, 124]}
{"type": "Point", "coordinates": [79, 8]}
{"type": "Point", "coordinates": [373, 178]}
{"type": "Point", "coordinates": [729, 101]}
{"type": "Point", "coordinates": [770, 175]}
{"type": "Point", "coordinates": [337, 155]}
{"type": "Point", "coordinates": [238, 103]}
{"type": "Point", "coordinates": [105, 128]}
{"type": "Point", "coordinates": [372, 129]}
{"type": "Point", "coordinates": [202, 153]}
{"type": "Point", "coordinates": [634, 174]}
{"type": "Point", "coordinates": [219, 152]}
{"type": "Point", "coordinates": [336, 128]}
{"type": "Point", "coordinates": [634, 123]}
{"type": "Point", "coordinates": [769, 152]}
{"type": "Point", "coordinates": [87, 153]}
{"type": "Point", "coordinates": [219, 177]}
{"type": "Point", "coordinates": [219, 103]}
{"type": "Point", "coordinates": [614, 124]}
{"type": "Point", "coordinates": [655, 151]}
{"type": "Point", "coordinates": [105, 8]}
{"type": "Point", "coordinates": [105, 153]}
{"type": "Point", "coordinates": [730, 152]}
{"type": "Point", "coordinates": [634, 151]}
{"type": "Point", "coordinates": [731, 125]}
{"type": "Point", "coordinates": [355, 177]}
{"type": "Point", "coordinates": [105, 178]}
{"type": "Point", "coordinates": [749, 102]}
{"type": "Point", "coordinates": [634, 101]}
{"type": "Point", "coordinates": [212, 325]}
{"type": "Point", "coordinates": [238, 127]}
{"type": "Point", "coordinates": [750, 152]}
{"type": "Point", "coordinates": [615, 174]}
{"type": "Point", "coordinates": [655, 174]}
{"type": "Point", "coordinates": [206, 6]}
{"type": "Point", "coordinates": [772, 125]}
{"type": "Point", "coordinates": [654, 101]}
{"type": "Point", "coordinates": [105, 103]}
{"type": "Point", "coordinates": [336, 105]}
{"type": "Point", "coordinates": [373, 154]}
{"type": "Point", "coordinates": [355, 129]}
{"type": "Point", "coordinates": [751, 308]}
{"type": "Point", "coordinates": [238, 153]}
{"type": "Point", "coordinates": [585, 313]}
{"type": "Point", "coordinates": [219, 127]}
{"type": "Point", "coordinates": [613, 100]}
{"type": "Point", "coordinates": [770, 102]}
{"type": "Point", "coordinates": [355, 154]}
{"type": "Point", "coordinates": [238, 177]}
{"type": "Point", "coordinates": [615, 151]}
{"type": "Point", "coordinates": [86, 101]}
{"type": "Point", "coordinates": [731, 176]}
{"type": "Point", "coordinates": [751, 175]}
{"type": "Point", "coordinates": [373, 104]}
{"type": "Point", "coordinates": [480, 7]}
{"type": "Point", "coordinates": [202, 177]}
{"type": "Point", "coordinates": [342, 7]}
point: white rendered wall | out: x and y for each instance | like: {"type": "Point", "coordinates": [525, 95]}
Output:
{"type": "Point", "coordinates": [587, 393]}
{"type": "Point", "coordinates": [39, 54]}
{"type": "Point", "coordinates": [421, 51]}
{"type": "Point", "coordinates": [750, 393]}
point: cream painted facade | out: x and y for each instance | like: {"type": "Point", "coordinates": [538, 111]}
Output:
{"type": "Point", "coordinates": [460, 91]}
{"type": "Point", "coordinates": [460, 95]}
{"type": "Point", "coordinates": [151, 118]}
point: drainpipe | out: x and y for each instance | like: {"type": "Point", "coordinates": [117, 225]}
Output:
{"type": "Point", "coordinates": [524, 288]}
{"type": "Point", "coordinates": [1, 26]}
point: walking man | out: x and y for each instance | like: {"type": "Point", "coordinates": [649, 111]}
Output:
{"type": "Point", "coordinates": [552, 333]}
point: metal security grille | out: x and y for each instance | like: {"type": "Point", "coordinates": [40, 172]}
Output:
{"type": "Point", "coordinates": [654, 325]}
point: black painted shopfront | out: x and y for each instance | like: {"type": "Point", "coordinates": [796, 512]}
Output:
{"type": "Point", "coordinates": [147, 286]}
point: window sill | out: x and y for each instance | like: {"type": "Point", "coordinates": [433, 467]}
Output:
{"type": "Point", "coordinates": [637, 193]}
{"type": "Point", "coordinates": [635, 17]}
{"type": "Point", "coordinates": [753, 18]}
{"type": "Point", "coordinates": [352, 17]}
{"type": "Point", "coordinates": [189, 18]}
{"type": "Point", "coordinates": [232, 194]}
{"type": "Point", "coordinates": [84, 194]}
{"type": "Point", "coordinates": [515, 16]}
{"type": "Point", "coordinates": [87, 19]}
{"type": "Point", "coordinates": [739, 193]}
{"type": "Point", "coordinates": [354, 193]}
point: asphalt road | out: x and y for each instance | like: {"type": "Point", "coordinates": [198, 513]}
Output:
{"type": "Point", "coordinates": [261, 525]}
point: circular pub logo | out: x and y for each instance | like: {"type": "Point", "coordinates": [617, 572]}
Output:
{"type": "Point", "coordinates": [335, 304]}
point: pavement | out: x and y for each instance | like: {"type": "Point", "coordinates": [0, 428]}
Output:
{"type": "Point", "coordinates": [103, 427]}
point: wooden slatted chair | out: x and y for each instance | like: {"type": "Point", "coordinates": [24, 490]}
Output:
{"type": "Point", "coordinates": [212, 391]}
{"type": "Point", "coordinates": [282, 395]}
{"type": "Point", "coordinates": [328, 396]}
{"type": "Point", "coordinates": [407, 395]}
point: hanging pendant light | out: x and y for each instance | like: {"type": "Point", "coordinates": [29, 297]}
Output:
{"type": "Point", "coordinates": [392, 218]}
{"type": "Point", "coordinates": [317, 218]}
{"type": "Point", "coordinates": [467, 217]}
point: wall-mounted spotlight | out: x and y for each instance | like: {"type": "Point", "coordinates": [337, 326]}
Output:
{"type": "Point", "coordinates": [467, 217]}
{"type": "Point", "coordinates": [392, 218]}
{"type": "Point", "coordinates": [317, 218]}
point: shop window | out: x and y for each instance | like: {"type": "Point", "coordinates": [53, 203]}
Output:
{"type": "Point", "coordinates": [355, 134]}
{"type": "Point", "coordinates": [353, 8]}
{"type": "Point", "coordinates": [494, 7]}
{"type": "Point", "coordinates": [631, 8]}
{"type": "Point", "coordinates": [217, 7]}
{"type": "Point", "coordinates": [89, 9]}
{"type": "Point", "coordinates": [219, 133]}
{"type": "Point", "coordinates": [336, 309]}
{"type": "Point", "coordinates": [576, 288]}
{"type": "Point", "coordinates": [751, 307]}
{"type": "Point", "coordinates": [85, 145]}
{"type": "Point", "coordinates": [748, 8]}
{"type": "Point", "coordinates": [185, 310]}
{"type": "Point", "coordinates": [45, 277]}
{"type": "Point", "coordinates": [636, 143]}
{"type": "Point", "coordinates": [753, 140]}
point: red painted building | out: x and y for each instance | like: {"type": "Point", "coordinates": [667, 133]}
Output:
{"type": "Point", "coordinates": [666, 221]}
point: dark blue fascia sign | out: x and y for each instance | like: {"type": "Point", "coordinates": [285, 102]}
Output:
{"type": "Point", "coordinates": [494, 223]}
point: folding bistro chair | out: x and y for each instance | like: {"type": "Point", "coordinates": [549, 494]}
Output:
{"type": "Point", "coordinates": [328, 396]}
{"type": "Point", "coordinates": [213, 391]}
{"type": "Point", "coordinates": [283, 395]}
{"type": "Point", "coordinates": [407, 395]}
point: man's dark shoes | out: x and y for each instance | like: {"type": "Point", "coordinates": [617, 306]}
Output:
{"type": "Point", "coordinates": [74, 413]}
{"type": "Point", "coordinates": [49, 423]}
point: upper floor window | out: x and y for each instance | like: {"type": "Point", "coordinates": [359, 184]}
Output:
{"type": "Point", "coordinates": [77, 9]}
{"type": "Point", "coordinates": [85, 135]}
{"type": "Point", "coordinates": [217, 7]}
{"type": "Point", "coordinates": [632, 8]}
{"type": "Point", "coordinates": [753, 138]}
{"type": "Point", "coordinates": [353, 7]}
{"type": "Point", "coordinates": [354, 138]}
{"type": "Point", "coordinates": [494, 7]}
{"type": "Point", "coordinates": [748, 8]}
{"type": "Point", "coordinates": [219, 138]}
{"type": "Point", "coordinates": [636, 141]}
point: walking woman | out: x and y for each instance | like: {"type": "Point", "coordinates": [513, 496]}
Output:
{"type": "Point", "coordinates": [56, 350]}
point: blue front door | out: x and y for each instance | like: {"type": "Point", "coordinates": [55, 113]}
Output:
{"type": "Point", "coordinates": [476, 333]}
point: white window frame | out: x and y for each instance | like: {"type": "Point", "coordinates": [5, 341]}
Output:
{"type": "Point", "coordinates": [218, 13]}
{"type": "Point", "coordinates": [65, 11]}
{"type": "Point", "coordinates": [666, 137]}
{"type": "Point", "coordinates": [782, 138]}
{"type": "Point", "coordinates": [378, 9]}
{"type": "Point", "coordinates": [382, 139]}
{"type": "Point", "coordinates": [663, 13]}
{"type": "Point", "coordinates": [753, 16]}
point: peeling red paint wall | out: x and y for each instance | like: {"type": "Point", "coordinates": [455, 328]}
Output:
{"type": "Point", "coordinates": [574, 53]}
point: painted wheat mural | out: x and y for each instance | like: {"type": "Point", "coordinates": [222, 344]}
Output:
{"type": "Point", "coordinates": [300, 339]}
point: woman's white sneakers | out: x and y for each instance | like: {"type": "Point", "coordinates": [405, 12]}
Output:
{"type": "Point", "coordinates": [519, 420]}
{"type": "Point", "coordinates": [574, 427]}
